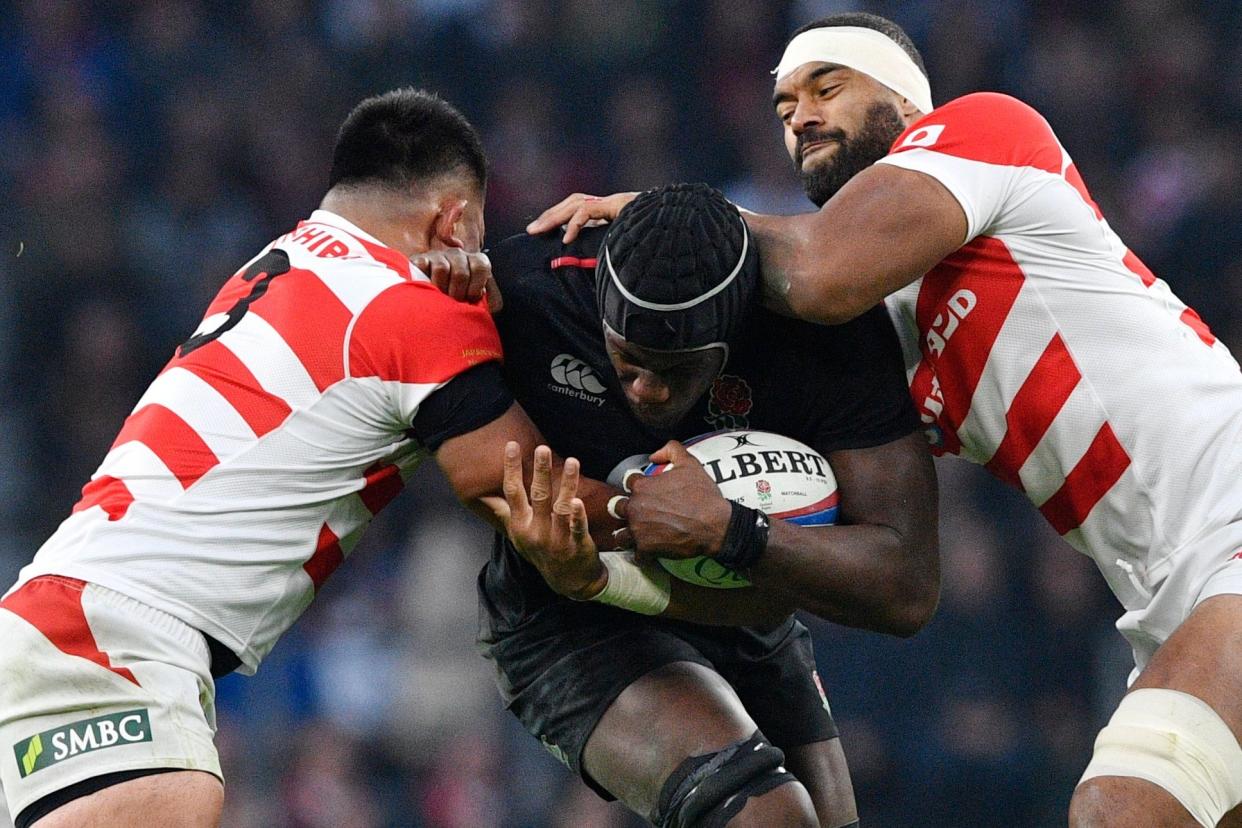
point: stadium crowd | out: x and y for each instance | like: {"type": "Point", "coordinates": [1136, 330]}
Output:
{"type": "Point", "coordinates": [152, 146]}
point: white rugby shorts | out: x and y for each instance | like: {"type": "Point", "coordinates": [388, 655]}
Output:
{"type": "Point", "coordinates": [1208, 566]}
{"type": "Point", "coordinates": [95, 682]}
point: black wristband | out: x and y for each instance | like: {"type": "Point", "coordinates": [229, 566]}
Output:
{"type": "Point", "coordinates": [746, 539]}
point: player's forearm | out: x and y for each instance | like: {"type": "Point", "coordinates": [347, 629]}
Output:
{"type": "Point", "coordinates": [794, 283]}
{"type": "Point", "coordinates": [867, 576]}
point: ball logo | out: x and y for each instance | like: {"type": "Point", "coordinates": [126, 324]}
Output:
{"type": "Point", "coordinates": [764, 489]}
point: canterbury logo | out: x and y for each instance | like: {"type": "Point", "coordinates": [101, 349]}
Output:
{"type": "Point", "coordinates": [572, 372]}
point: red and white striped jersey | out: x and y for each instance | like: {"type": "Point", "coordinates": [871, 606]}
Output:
{"type": "Point", "coordinates": [1045, 350]}
{"type": "Point", "coordinates": [251, 465]}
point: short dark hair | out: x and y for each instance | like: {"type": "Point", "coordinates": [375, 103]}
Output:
{"type": "Point", "coordinates": [400, 137]}
{"type": "Point", "coordinates": [882, 25]}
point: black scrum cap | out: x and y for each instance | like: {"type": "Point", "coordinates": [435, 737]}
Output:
{"type": "Point", "coordinates": [677, 269]}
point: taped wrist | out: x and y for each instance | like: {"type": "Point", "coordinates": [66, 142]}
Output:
{"type": "Point", "coordinates": [640, 589]}
{"type": "Point", "coordinates": [746, 538]}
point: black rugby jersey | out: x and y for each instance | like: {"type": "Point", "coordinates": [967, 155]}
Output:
{"type": "Point", "coordinates": [833, 388]}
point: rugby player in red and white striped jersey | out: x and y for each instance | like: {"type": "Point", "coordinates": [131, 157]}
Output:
{"type": "Point", "coordinates": [1040, 346]}
{"type": "Point", "coordinates": [325, 370]}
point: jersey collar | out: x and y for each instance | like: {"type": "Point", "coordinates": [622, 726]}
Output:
{"type": "Point", "coordinates": [379, 251]}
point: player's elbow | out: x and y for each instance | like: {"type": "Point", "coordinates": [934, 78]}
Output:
{"type": "Point", "coordinates": [815, 301]}
{"type": "Point", "coordinates": [915, 601]}
{"type": "Point", "coordinates": [914, 613]}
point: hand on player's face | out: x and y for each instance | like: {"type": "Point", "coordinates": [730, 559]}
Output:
{"type": "Point", "coordinates": [677, 514]}
{"type": "Point", "coordinates": [552, 534]}
{"type": "Point", "coordinates": [577, 211]}
{"type": "Point", "coordinates": [463, 276]}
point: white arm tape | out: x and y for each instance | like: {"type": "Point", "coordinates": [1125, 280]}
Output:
{"type": "Point", "coordinates": [1174, 740]}
{"type": "Point", "coordinates": [644, 590]}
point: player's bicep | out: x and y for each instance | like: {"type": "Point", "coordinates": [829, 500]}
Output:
{"type": "Point", "coordinates": [472, 461]}
{"type": "Point", "coordinates": [885, 228]}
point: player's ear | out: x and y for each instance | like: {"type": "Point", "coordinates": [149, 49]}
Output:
{"type": "Point", "coordinates": [909, 111]}
{"type": "Point", "coordinates": [448, 221]}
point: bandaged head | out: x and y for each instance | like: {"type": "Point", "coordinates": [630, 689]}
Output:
{"type": "Point", "coordinates": [862, 49]}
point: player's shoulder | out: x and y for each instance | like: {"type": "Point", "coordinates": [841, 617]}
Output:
{"type": "Point", "coordinates": [412, 332]}
{"type": "Point", "coordinates": [525, 261]}
{"type": "Point", "coordinates": [408, 304]}
{"type": "Point", "coordinates": [986, 126]}
{"type": "Point", "coordinates": [797, 335]}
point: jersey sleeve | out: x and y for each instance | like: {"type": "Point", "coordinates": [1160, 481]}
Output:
{"type": "Point", "coordinates": [978, 146]}
{"type": "Point", "coordinates": [471, 400]}
{"type": "Point", "coordinates": [415, 339]}
{"type": "Point", "coordinates": [872, 404]}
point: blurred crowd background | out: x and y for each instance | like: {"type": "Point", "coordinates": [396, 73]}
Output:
{"type": "Point", "coordinates": [149, 147]}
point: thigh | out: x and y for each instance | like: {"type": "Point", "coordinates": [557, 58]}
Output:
{"type": "Point", "coordinates": [774, 675]}
{"type": "Point", "coordinates": [822, 770]}
{"type": "Point", "coordinates": [665, 717]}
{"type": "Point", "coordinates": [1202, 658]}
{"type": "Point", "coordinates": [94, 687]}
{"type": "Point", "coordinates": [177, 799]}
{"type": "Point", "coordinates": [559, 680]}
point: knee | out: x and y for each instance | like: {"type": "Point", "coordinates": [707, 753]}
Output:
{"type": "Point", "coordinates": [1089, 805]}
{"type": "Point", "coordinates": [744, 783]}
{"type": "Point", "coordinates": [1163, 749]}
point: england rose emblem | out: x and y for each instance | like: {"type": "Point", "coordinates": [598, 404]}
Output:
{"type": "Point", "coordinates": [730, 402]}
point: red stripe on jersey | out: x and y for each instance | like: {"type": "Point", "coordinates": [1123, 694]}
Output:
{"type": "Point", "coordinates": [572, 261]}
{"type": "Point", "coordinates": [1192, 320]}
{"type": "Point", "coordinates": [925, 391]}
{"type": "Point", "coordinates": [52, 604]}
{"type": "Point", "coordinates": [1075, 180]}
{"type": "Point", "coordinates": [413, 333]}
{"type": "Point", "coordinates": [327, 557]}
{"type": "Point", "coordinates": [109, 493]}
{"type": "Point", "coordinates": [1034, 407]}
{"type": "Point", "coordinates": [383, 484]}
{"type": "Point", "coordinates": [1099, 469]}
{"type": "Point", "coordinates": [173, 441]}
{"type": "Point", "coordinates": [220, 368]}
{"type": "Point", "coordinates": [1136, 266]}
{"type": "Point", "coordinates": [311, 321]}
{"type": "Point", "coordinates": [962, 304]}
{"type": "Point", "coordinates": [987, 127]}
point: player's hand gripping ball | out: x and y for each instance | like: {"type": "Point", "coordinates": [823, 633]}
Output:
{"type": "Point", "coordinates": [777, 475]}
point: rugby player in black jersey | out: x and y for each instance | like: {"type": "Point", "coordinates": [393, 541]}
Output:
{"type": "Point", "coordinates": [612, 351]}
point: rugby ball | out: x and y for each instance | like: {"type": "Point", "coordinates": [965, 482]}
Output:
{"type": "Point", "coordinates": [777, 475]}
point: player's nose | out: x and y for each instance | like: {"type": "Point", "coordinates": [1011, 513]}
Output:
{"type": "Point", "coordinates": [648, 389]}
{"type": "Point", "coordinates": [805, 114]}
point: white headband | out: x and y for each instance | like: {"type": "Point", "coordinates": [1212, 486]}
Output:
{"type": "Point", "coordinates": [863, 49]}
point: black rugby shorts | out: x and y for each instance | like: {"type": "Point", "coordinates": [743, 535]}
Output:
{"type": "Point", "coordinates": [561, 669]}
